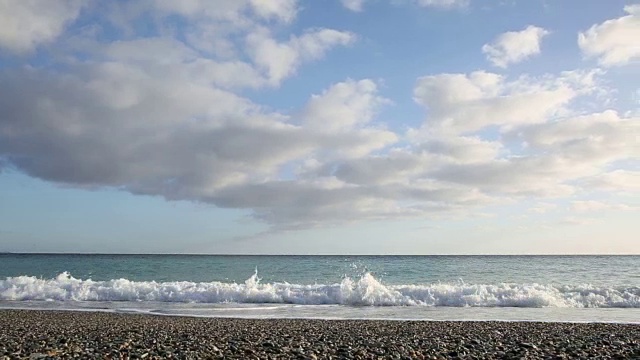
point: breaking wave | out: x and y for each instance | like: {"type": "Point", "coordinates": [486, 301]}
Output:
{"type": "Point", "coordinates": [364, 291]}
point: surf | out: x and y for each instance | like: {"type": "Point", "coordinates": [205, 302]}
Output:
{"type": "Point", "coordinates": [365, 290]}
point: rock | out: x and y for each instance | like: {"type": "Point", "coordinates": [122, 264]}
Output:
{"type": "Point", "coordinates": [102, 335]}
{"type": "Point", "coordinates": [528, 345]}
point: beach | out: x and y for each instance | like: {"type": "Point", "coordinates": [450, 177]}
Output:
{"type": "Point", "coordinates": [66, 334]}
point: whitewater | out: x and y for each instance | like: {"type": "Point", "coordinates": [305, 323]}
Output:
{"type": "Point", "coordinates": [518, 288]}
{"type": "Point", "coordinates": [365, 291]}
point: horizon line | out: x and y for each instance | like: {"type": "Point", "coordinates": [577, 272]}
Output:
{"type": "Point", "coordinates": [240, 254]}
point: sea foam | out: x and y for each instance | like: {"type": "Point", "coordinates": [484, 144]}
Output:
{"type": "Point", "coordinates": [363, 291]}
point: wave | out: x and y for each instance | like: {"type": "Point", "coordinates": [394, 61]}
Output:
{"type": "Point", "coordinates": [364, 291]}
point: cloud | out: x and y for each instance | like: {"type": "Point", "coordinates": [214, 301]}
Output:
{"type": "Point", "coordinates": [298, 204]}
{"type": "Point", "coordinates": [281, 59]}
{"type": "Point", "coordinates": [597, 206]}
{"type": "Point", "coordinates": [207, 26]}
{"type": "Point", "coordinates": [540, 176]}
{"type": "Point", "coordinates": [576, 221]}
{"type": "Point", "coordinates": [165, 55]}
{"type": "Point", "coordinates": [343, 106]}
{"type": "Point", "coordinates": [230, 10]}
{"type": "Point", "coordinates": [614, 42]}
{"type": "Point", "coordinates": [357, 5]}
{"type": "Point", "coordinates": [543, 148]}
{"type": "Point", "coordinates": [445, 4]}
{"type": "Point", "coordinates": [209, 43]}
{"type": "Point", "coordinates": [595, 137]}
{"type": "Point", "coordinates": [461, 149]}
{"type": "Point", "coordinates": [556, 152]}
{"type": "Point", "coordinates": [462, 103]}
{"type": "Point", "coordinates": [121, 125]}
{"type": "Point", "coordinates": [163, 111]}
{"type": "Point", "coordinates": [353, 5]}
{"type": "Point", "coordinates": [515, 46]}
{"type": "Point", "coordinates": [113, 124]}
{"type": "Point", "coordinates": [543, 208]}
{"type": "Point", "coordinates": [283, 10]}
{"type": "Point", "coordinates": [617, 181]}
{"type": "Point", "coordinates": [26, 24]}
{"type": "Point", "coordinates": [155, 116]}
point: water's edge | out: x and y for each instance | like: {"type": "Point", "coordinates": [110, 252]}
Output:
{"type": "Point", "coordinates": [351, 313]}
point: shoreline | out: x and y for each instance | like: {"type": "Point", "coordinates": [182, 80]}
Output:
{"type": "Point", "coordinates": [279, 311]}
{"type": "Point", "coordinates": [311, 318]}
{"type": "Point", "coordinates": [60, 334]}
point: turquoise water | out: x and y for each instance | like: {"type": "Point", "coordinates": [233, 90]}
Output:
{"type": "Point", "coordinates": [598, 270]}
{"type": "Point", "coordinates": [555, 288]}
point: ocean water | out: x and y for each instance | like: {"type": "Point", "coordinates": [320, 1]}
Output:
{"type": "Point", "coordinates": [512, 288]}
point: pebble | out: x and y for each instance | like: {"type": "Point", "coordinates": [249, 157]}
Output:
{"type": "Point", "coordinates": [32, 334]}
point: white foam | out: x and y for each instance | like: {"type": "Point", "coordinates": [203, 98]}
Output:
{"type": "Point", "coordinates": [365, 291]}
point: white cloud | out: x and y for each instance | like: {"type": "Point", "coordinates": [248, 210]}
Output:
{"type": "Point", "coordinates": [543, 207]}
{"type": "Point", "coordinates": [231, 10]}
{"type": "Point", "coordinates": [614, 42]}
{"type": "Point", "coordinates": [560, 154]}
{"type": "Point", "coordinates": [543, 149]}
{"type": "Point", "coordinates": [26, 24]}
{"type": "Point", "coordinates": [540, 176]}
{"type": "Point", "coordinates": [281, 59]}
{"type": "Point", "coordinates": [515, 46]}
{"type": "Point", "coordinates": [461, 103]}
{"type": "Point", "coordinates": [443, 3]}
{"type": "Point", "coordinates": [147, 50]}
{"type": "Point", "coordinates": [357, 5]}
{"type": "Point", "coordinates": [166, 115]}
{"type": "Point", "coordinates": [343, 112]}
{"type": "Point", "coordinates": [343, 106]}
{"type": "Point", "coordinates": [353, 5]}
{"type": "Point", "coordinates": [461, 149]}
{"type": "Point", "coordinates": [576, 221]}
{"type": "Point", "coordinates": [212, 46]}
{"type": "Point", "coordinates": [169, 56]}
{"type": "Point", "coordinates": [283, 10]}
{"type": "Point", "coordinates": [583, 206]}
{"type": "Point", "coordinates": [617, 181]}
{"type": "Point", "coordinates": [162, 130]}
{"type": "Point", "coordinates": [595, 137]}
{"type": "Point", "coordinates": [209, 26]}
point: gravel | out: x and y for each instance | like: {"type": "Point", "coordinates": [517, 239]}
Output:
{"type": "Point", "coordinates": [31, 334]}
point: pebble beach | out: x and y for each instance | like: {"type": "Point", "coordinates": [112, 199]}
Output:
{"type": "Point", "coordinates": [32, 334]}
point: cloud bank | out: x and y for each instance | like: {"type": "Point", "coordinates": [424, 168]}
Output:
{"type": "Point", "coordinates": [166, 114]}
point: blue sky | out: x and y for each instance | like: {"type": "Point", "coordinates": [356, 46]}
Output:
{"type": "Point", "coordinates": [320, 127]}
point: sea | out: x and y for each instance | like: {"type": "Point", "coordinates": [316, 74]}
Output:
{"type": "Point", "coordinates": [464, 288]}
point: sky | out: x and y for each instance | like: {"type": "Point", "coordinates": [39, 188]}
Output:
{"type": "Point", "coordinates": [320, 127]}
